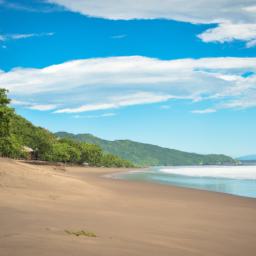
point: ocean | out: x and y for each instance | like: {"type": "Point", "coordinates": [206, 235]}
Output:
{"type": "Point", "coordinates": [235, 180]}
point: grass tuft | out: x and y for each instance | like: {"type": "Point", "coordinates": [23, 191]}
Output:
{"type": "Point", "coordinates": [81, 233]}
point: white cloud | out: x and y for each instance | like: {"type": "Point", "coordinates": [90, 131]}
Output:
{"type": "Point", "coordinates": [250, 8]}
{"type": "Point", "coordinates": [85, 108]}
{"type": "Point", "coordinates": [115, 82]}
{"type": "Point", "coordinates": [119, 36]}
{"type": "Point", "coordinates": [199, 11]}
{"type": "Point", "coordinates": [19, 102]}
{"type": "Point", "coordinates": [108, 114]}
{"type": "Point", "coordinates": [165, 107]}
{"type": "Point", "coordinates": [227, 32]}
{"type": "Point", "coordinates": [34, 6]}
{"type": "Point", "coordinates": [251, 43]}
{"type": "Point", "coordinates": [20, 36]}
{"type": "Point", "coordinates": [96, 116]}
{"type": "Point", "coordinates": [34, 106]}
{"type": "Point", "coordinates": [118, 102]}
{"type": "Point", "coordinates": [204, 111]}
{"type": "Point", "coordinates": [23, 36]}
{"type": "Point", "coordinates": [43, 107]}
{"type": "Point", "coordinates": [239, 14]}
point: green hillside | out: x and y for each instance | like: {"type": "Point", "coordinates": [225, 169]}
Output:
{"type": "Point", "coordinates": [149, 155]}
{"type": "Point", "coordinates": [17, 134]}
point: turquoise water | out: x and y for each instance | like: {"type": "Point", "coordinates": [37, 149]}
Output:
{"type": "Point", "coordinates": [235, 180]}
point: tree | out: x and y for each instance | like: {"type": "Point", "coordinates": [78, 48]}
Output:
{"type": "Point", "coordinates": [91, 154]}
{"type": "Point", "coordinates": [62, 152]}
{"type": "Point", "coordinates": [4, 100]}
{"type": "Point", "coordinates": [109, 160]}
{"type": "Point", "coordinates": [42, 142]}
{"type": "Point", "coordinates": [58, 153]}
{"type": "Point", "coordinates": [9, 145]}
{"type": "Point", "coordinates": [5, 114]}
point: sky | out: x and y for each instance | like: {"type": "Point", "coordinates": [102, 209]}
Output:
{"type": "Point", "coordinates": [176, 74]}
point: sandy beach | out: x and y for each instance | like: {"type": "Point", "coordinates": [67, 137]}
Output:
{"type": "Point", "coordinates": [38, 203]}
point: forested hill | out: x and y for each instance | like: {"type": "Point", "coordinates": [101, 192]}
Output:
{"type": "Point", "coordinates": [17, 135]}
{"type": "Point", "coordinates": [149, 155]}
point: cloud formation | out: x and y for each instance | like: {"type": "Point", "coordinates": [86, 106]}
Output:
{"type": "Point", "coordinates": [23, 36]}
{"type": "Point", "coordinates": [139, 98]}
{"type": "Point", "coordinates": [122, 36]}
{"type": "Point", "coordinates": [110, 83]}
{"type": "Point", "coordinates": [200, 11]}
{"type": "Point", "coordinates": [104, 115]}
{"type": "Point", "coordinates": [227, 32]}
{"type": "Point", "coordinates": [33, 105]}
{"type": "Point", "coordinates": [235, 18]}
{"type": "Point", "coordinates": [204, 111]}
{"type": "Point", "coordinates": [29, 6]}
{"type": "Point", "coordinates": [251, 43]}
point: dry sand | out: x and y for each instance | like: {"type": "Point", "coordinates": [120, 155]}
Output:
{"type": "Point", "coordinates": [37, 203]}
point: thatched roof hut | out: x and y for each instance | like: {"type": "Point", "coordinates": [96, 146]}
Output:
{"type": "Point", "coordinates": [29, 152]}
{"type": "Point", "coordinates": [27, 149]}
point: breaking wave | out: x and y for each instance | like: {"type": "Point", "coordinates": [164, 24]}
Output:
{"type": "Point", "coordinates": [230, 172]}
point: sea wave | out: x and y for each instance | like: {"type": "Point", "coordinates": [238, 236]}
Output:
{"type": "Point", "coordinates": [231, 172]}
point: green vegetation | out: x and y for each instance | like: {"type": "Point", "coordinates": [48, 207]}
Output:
{"type": "Point", "coordinates": [149, 155]}
{"type": "Point", "coordinates": [9, 145]}
{"type": "Point", "coordinates": [81, 233]}
{"type": "Point", "coordinates": [16, 133]}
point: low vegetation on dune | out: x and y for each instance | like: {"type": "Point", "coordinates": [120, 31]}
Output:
{"type": "Point", "coordinates": [17, 134]}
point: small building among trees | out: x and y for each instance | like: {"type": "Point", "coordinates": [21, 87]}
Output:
{"type": "Point", "coordinates": [29, 153]}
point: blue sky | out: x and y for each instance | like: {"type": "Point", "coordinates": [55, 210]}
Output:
{"type": "Point", "coordinates": [174, 75]}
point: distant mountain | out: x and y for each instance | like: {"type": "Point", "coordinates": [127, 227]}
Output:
{"type": "Point", "coordinates": [149, 155]}
{"type": "Point", "coordinates": [247, 158]}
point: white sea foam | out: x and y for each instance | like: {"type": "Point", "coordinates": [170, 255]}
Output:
{"type": "Point", "coordinates": [232, 172]}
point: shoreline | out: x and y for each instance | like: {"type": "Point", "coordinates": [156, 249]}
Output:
{"type": "Point", "coordinates": [38, 203]}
